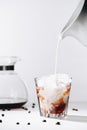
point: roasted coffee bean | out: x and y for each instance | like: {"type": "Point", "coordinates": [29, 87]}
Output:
{"type": "Point", "coordinates": [2, 115]}
{"type": "Point", "coordinates": [74, 109]}
{"type": "Point", "coordinates": [24, 108]}
{"type": "Point", "coordinates": [58, 123]}
{"type": "Point", "coordinates": [0, 121]}
{"type": "Point", "coordinates": [44, 121]}
{"type": "Point", "coordinates": [28, 123]}
{"type": "Point", "coordinates": [29, 111]}
{"type": "Point", "coordinates": [17, 123]}
{"type": "Point", "coordinates": [33, 104]}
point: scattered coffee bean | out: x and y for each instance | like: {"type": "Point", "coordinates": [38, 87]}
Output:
{"type": "Point", "coordinates": [0, 121]}
{"type": "Point", "coordinates": [33, 104]}
{"type": "Point", "coordinates": [2, 115]}
{"type": "Point", "coordinates": [24, 108]}
{"type": "Point", "coordinates": [28, 123]}
{"type": "Point", "coordinates": [44, 121]}
{"type": "Point", "coordinates": [29, 111]}
{"type": "Point", "coordinates": [58, 123]}
{"type": "Point", "coordinates": [17, 123]}
{"type": "Point", "coordinates": [74, 109]}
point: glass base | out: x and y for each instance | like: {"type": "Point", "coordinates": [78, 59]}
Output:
{"type": "Point", "coordinates": [56, 116]}
{"type": "Point", "coordinates": [8, 103]}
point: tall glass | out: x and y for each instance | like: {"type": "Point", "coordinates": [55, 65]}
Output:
{"type": "Point", "coordinates": [53, 95]}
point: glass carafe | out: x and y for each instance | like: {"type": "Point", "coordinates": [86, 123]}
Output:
{"type": "Point", "coordinates": [13, 92]}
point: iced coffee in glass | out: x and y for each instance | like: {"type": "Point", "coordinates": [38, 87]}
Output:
{"type": "Point", "coordinates": [53, 95]}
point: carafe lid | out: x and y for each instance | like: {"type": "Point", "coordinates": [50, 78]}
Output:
{"type": "Point", "coordinates": [8, 62]}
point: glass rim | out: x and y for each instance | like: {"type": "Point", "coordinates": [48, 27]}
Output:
{"type": "Point", "coordinates": [58, 74]}
{"type": "Point", "coordinates": [54, 75]}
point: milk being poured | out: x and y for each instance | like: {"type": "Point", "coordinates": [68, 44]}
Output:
{"type": "Point", "coordinates": [57, 51]}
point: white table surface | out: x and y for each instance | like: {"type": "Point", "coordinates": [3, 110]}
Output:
{"type": "Point", "coordinates": [75, 119]}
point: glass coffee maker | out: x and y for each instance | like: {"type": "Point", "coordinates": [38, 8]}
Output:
{"type": "Point", "coordinates": [13, 92]}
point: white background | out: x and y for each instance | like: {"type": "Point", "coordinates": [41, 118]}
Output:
{"type": "Point", "coordinates": [29, 29]}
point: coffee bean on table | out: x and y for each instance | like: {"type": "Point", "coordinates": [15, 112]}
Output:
{"type": "Point", "coordinates": [0, 121]}
{"type": "Point", "coordinates": [29, 111]}
{"type": "Point", "coordinates": [58, 123]}
{"type": "Point", "coordinates": [44, 121]}
{"type": "Point", "coordinates": [28, 123]}
{"type": "Point", "coordinates": [2, 115]}
{"type": "Point", "coordinates": [33, 104]}
{"type": "Point", "coordinates": [74, 109]}
{"type": "Point", "coordinates": [17, 123]}
{"type": "Point", "coordinates": [24, 108]}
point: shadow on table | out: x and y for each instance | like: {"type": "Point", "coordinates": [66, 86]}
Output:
{"type": "Point", "coordinates": [76, 118]}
